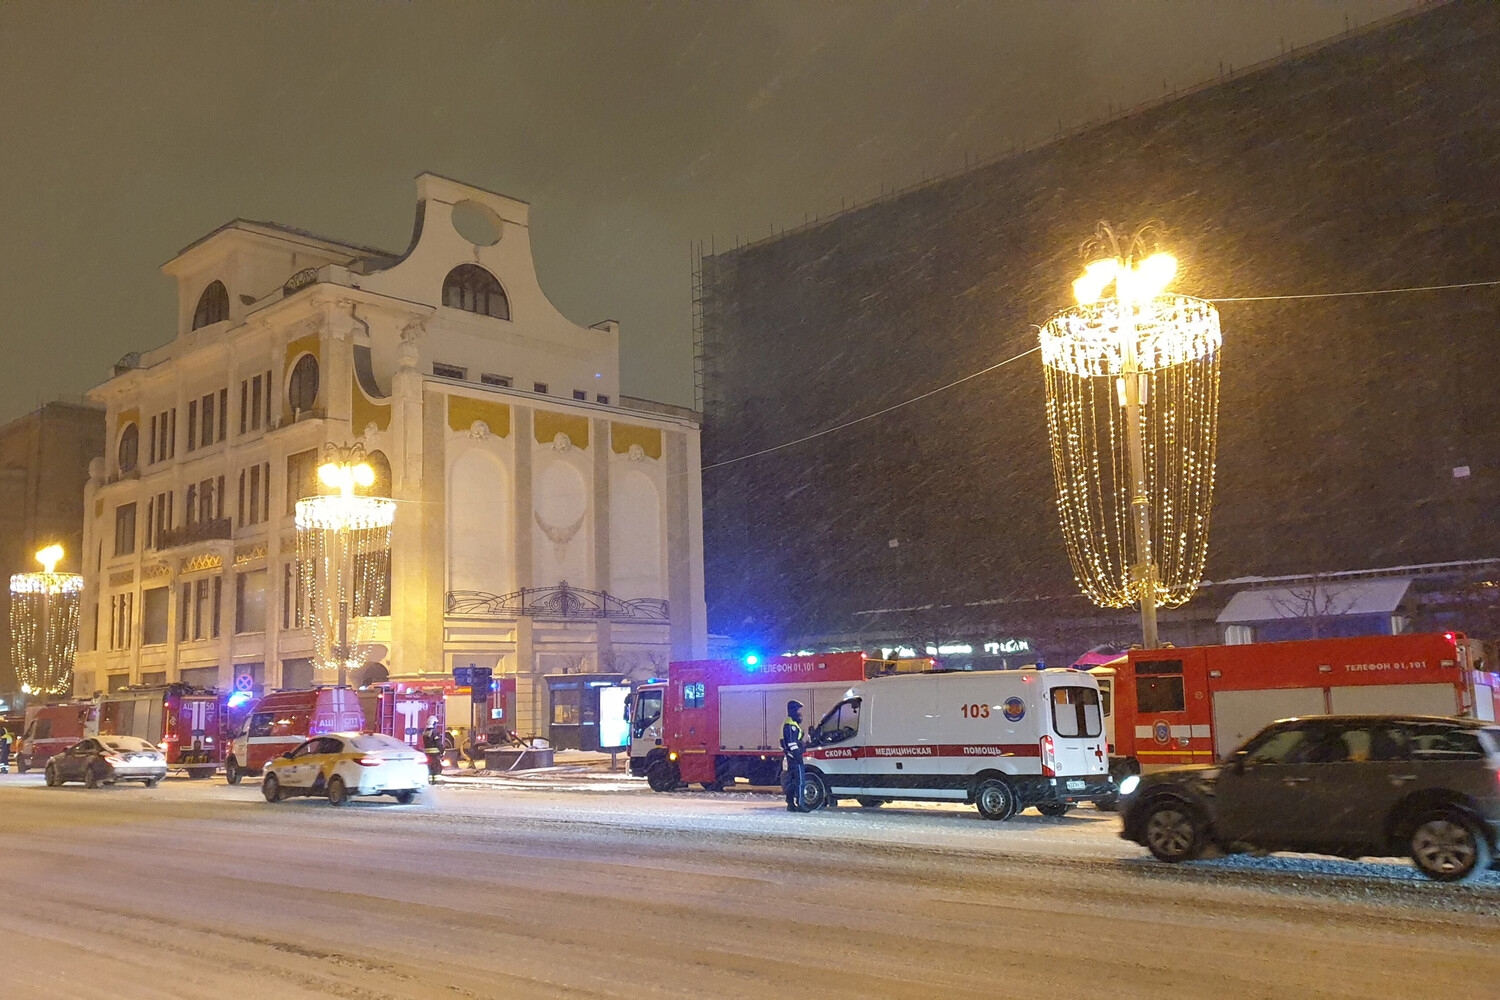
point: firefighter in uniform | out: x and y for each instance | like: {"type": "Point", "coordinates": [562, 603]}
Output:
{"type": "Point", "coordinates": [791, 749]}
{"type": "Point", "coordinates": [5, 741]}
{"type": "Point", "coordinates": [432, 746]}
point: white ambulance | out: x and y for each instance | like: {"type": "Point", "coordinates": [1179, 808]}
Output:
{"type": "Point", "coordinates": [1002, 739]}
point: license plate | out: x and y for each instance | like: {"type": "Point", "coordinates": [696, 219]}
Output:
{"type": "Point", "coordinates": [1076, 786]}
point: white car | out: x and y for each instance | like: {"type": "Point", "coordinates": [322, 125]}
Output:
{"type": "Point", "coordinates": [338, 765]}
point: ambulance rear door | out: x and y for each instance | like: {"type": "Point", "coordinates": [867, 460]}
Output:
{"type": "Point", "coordinates": [1075, 724]}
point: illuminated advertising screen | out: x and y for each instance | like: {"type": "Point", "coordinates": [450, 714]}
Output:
{"type": "Point", "coordinates": [614, 731]}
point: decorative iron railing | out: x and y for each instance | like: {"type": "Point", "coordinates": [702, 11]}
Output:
{"type": "Point", "coordinates": [561, 602]}
{"type": "Point", "coordinates": [199, 531]}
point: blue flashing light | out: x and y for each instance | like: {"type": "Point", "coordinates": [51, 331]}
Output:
{"type": "Point", "coordinates": [752, 660]}
{"type": "Point", "coordinates": [239, 698]}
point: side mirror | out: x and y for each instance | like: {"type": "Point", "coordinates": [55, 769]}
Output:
{"type": "Point", "coordinates": [1238, 767]}
{"type": "Point", "coordinates": [288, 755]}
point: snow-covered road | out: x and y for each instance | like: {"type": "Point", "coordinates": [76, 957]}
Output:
{"type": "Point", "coordinates": [197, 889]}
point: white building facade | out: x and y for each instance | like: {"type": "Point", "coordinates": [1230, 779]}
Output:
{"type": "Point", "coordinates": [544, 524]}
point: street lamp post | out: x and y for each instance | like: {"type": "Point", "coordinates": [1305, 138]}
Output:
{"type": "Point", "coordinates": [329, 530]}
{"type": "Point", "coordinates": [36, 600]}
{"type": "Point", "coordinates": [1137, 533]}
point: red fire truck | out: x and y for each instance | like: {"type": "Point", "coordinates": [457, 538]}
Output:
{"type": "Point", "coordinates": [50, 729]}
{"type": "Point", "coordinates": [402, 710]}
{"type": "Point", "coordinates": [185, 722]}
{"type": "Point", "coordinates": [1197, 704]}
{"type": "Point", "coordinates": [713, 721]}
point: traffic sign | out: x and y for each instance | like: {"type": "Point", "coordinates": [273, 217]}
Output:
{"type": "Point", "coordinates": [473, 677]}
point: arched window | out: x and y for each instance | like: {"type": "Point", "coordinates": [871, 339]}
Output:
{"type": "Point", "coordinates": [302, 388]}
{"type": "Point", "coordinates": [213, 305]}
{"type": "Point", "coordinates": [130, 448]}
{"type": "Point", "coordinates": [473, 289]}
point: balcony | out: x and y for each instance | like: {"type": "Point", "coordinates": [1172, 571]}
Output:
{"type": "Point", "coordinates": [198, 531]}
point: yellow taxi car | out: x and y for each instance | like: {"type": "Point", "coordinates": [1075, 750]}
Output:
{"type": "Point", "coordinates": [338, 765]}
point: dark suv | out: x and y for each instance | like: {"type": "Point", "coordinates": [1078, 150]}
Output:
{"type": "Point", "coordinates": [1344, 785]}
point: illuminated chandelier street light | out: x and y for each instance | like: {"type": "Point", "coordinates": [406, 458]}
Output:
{"type": "Point", "coordinates": [343, 547]}
{"type": "Point", "coordinates": [1132, 413]}
{"type": "Point", "coordinates": [44, 625]}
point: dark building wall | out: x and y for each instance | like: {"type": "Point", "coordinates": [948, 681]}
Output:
{"type": "Point", "coordinates": [44, 464]}
{"type": "Point", "coordinates": [1371, 163]}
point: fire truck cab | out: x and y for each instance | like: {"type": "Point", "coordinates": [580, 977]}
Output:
{"type": "Point", "coordinates": [643, 712]}
{"type": "Point", "coordinates": [49, 730]}
{"type": "Point", "coordinates": [1000, 739]}
{"type": "Point", "coordinates": [282, 720]}
{"type": "Point", "coordinates": [1195, 705]}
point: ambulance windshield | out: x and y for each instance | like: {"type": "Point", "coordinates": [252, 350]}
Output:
{"type": "Point", "coordinates": [839, 724]}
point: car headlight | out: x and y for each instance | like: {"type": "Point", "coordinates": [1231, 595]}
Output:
{"type": "Point", "coordinates": [1129, 783]}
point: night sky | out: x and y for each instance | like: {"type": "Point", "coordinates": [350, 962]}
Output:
{"type": "Point", "coordinates": [127, 131]}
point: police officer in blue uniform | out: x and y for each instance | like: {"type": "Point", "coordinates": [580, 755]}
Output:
{"type": "Point", "coordinates": [791, 750]}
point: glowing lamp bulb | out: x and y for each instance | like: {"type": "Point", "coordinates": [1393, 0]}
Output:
{"type": "Point", "coordinates": [50, 557]}
{"type": "Point", "coordinates": [1154, 274]}
{"type": "Point", "coordinates": [364, 475]}
{"type": "Point", "coordinates": [1096, 277]}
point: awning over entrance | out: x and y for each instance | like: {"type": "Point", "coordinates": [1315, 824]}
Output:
{"type": "Point", "coordinates": [1316, 599]}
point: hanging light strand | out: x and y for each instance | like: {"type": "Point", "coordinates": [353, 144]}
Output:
{"type": "Point", "coordinates": [1173, 347]}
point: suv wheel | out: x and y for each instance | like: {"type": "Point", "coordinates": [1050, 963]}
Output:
{"type": "Point", "coordinates": [1450, 847]}
{"type": "Point", "coordinates": [1173, 831]}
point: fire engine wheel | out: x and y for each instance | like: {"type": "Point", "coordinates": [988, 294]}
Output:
{"type": "Point", "coordinates": [1174, 831]}
{"type": "Point", "coordinates": [1053, 809]}
{"type": "Point", "coordinates": [1449, 847]}
{"type": "Point", "coordinates": [815, 794]}
{"type": "Point", "coordinates": [994, 799]}
{"type": "Point", "coordinates": [337, 793]}
{"type": "Point", "coordinates": [271, 788]}
{"type": "Point", "coordinates": [663, 776]}
{"type": "Point", "coordinates": [232, 772]}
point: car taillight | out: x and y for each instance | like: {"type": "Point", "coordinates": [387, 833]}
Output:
{"type": "Point", "coordinates": [367, 761]}
{"type": "Point", "coordinates": [114, 758]}
{"type": "Point", "coordinates": [1049, 757]}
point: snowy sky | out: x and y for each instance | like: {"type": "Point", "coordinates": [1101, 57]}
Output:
{"type": "Point", "coordinates": [633, 129]}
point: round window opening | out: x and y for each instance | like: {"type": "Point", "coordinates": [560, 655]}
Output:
{"type": "Point", "coordinates": [476, 223]}
{"type": "Point", "coordinates": [302, 390]}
